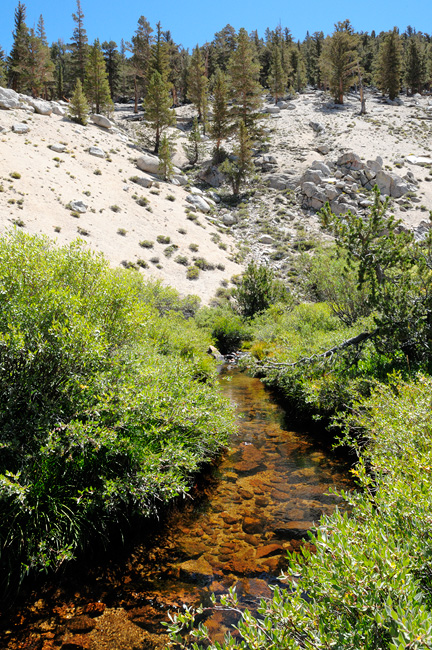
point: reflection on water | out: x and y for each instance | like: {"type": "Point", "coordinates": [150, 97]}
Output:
{"type": "Point", "coordinates": [259, 502]}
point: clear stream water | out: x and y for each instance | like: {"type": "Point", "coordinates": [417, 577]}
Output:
{"type": "Point", "coordinates": [257, 503]}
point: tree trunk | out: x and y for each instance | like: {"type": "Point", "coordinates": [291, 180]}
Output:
{"type": "Point", "coordinates": [136, 95]}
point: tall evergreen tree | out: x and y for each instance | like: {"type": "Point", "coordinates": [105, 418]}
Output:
{"type": "Point", "coordinates": [96, 85]}
{"type": "Point", "coordinates": [18, 77]}
{"type": "Point", "coordinates": [221, 49]}
{"type": "Point", "coordinates": [39, 68]}
{"type": "Point", "coordinates": [277, 79]}
{"type": "Point", "coordinates": [140, 59]}
{"type": "Point", "coordinates": [197, 84]}
{"type": "Point", "coordinates": [112, 64]}
{"type": "Point", "coordinates": [245, 87]}
{"type": "Point", "coordinates": [338, 60]}
{"type": "Point", "coordinates": [220, 127]}
{"type": "Point", "coordinates": [160, 55]}
{"type": "Point", "coordinates": [40, 31]}
{"type": "Point", "coordinates": [389, 65]}
{"type": "Point", "coordinates": [61, 58]}
{"type": "Point", "coordinates": [297, 77]}
{"type": "Point", "coordinates": [79, 45]}
{"type": "Point", "coordinates": [157, 105]}
{"type": "Point", "coordinates": [415, 65]}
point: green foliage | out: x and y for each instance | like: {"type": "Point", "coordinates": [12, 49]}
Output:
{"type": "Point", "coordinates": [225, 326]}
{"type": "Point", "coordinates": [107, 401]}
{"type": "Point", "coordinates": [277, 79]}
{"type": "Point", "coordinates": [157, 105]}
{"type": "Point", "coordinates": [258, 290]}
{"type": "Point", "coordinates": [193, 148]}
{"type": "Point", "coordinates": [328, 277]}
{"type": "Point", "coordinates": [197, 83]}
{"type": "Point", "coordinates": [398, 272]}
{"type": "Point", "coordinates": [240, 167]}
{"type": "Point", "coordinates": [339, 59]}
{"type": "Point", "coordinates": [78, 107]}
{"type": "Point", "coordinates": [96, 84]}
{"type": "Point", "coordinates": [415, 65]}
{"type": "Point", "coordinates": [220, 126]}
{"type": "Point", "coordinates": [369, 583]}
{"type": "Point", "coordinates": [166, 151]}
{"type": "Point", "coordinates": [245, 87]}
{"type": "Point", "coordinates": [389, 65]}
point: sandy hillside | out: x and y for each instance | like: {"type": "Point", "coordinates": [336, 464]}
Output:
{"type": "Point", "coordinates": [306, 131]}
{"type": "Point", "coordinates": [114, 222]}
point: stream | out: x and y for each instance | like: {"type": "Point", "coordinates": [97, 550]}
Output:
{"type": "Point", "coordinates": [258, 502]}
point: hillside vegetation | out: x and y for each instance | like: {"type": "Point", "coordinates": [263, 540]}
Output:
{"type": "Point", "coordinates": [108, 402]}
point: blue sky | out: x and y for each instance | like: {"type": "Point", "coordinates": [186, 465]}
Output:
{"type": "Point", "coordinates": [196, 21]}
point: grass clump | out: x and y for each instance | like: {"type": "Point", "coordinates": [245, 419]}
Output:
{"type": "Point", "coordinates": [145, 243]}
{"type": "Point", "coordinates": [163, 239]}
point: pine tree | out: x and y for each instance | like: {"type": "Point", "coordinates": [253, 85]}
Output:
{"type": "Point", "coordinates": [38, 66]}
{"type": "Point", "coordinates": [79, 45]}
{"type": "Point", "coordinates": [220, 126]}
{"type": "Point", "coordinates": [78, 107]}
{"type": "Point", "coordinates": [238, 169]}
{"type": "Point", "coordinates": [298, 75]}
{"type": "Point", "coordinates": [415, 65]}
{"type": "Point", "coordinates": [245, 88]}
{"type": "Point", "coordinates": [160, 55]}
{"type": "Point", "coordinates": [112, 63]}
{"type": "Point", "coordinates": [157, 105]}
{"type": "Point", "coordinates": [389, 65]}
{"type": "Point", "coordinates": [193, 148]}
{"type": "Point", "coordinates": [96, 85]}
{"type": "Point", "coordinates": [18, 77]}
{"type": "Point", "coordinates": [339, 60]}
{"type": "Point", "coordinates": [197, 84]}
{"type": "Point", "coordinates": [40, 31]}
{"type": "Point", "coordinates": [61, 59]}
{"type": "Point", "coordinates": [221, 49]}
{"type": "Point", "coordinates": [140, 59]}
{"type": "Point", "coordinates": [277, 78]}
{"type": "Point", "coordinates": [166, 167]}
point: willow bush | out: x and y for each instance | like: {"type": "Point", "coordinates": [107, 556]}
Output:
{"type": "Point", "coordinates": [108, 404]}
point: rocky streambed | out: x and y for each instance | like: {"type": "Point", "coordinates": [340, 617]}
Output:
{"type": "Point", "coordinates": [259, 502]}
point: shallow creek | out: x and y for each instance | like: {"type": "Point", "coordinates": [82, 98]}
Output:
{"type": "Point", "coordinates": [258, 502]}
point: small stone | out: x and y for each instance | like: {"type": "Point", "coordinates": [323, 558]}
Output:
{"type": "Point", "coordinates": [58, 148]}
{"type": "Point", "coordinates": [252, 526]}
{"type": "Point", "coordinates": [144, 180]}
{"type": "Point", "coordinates": [97, 151]}
{"type": "Point", "coordinates": [78, 206]}
{"type": "Point", "coordinates": [81, 624]}
{"type": "Point", "coordinates": [269, 549]}
{"type": "Point", "coordinates": [20, 128]}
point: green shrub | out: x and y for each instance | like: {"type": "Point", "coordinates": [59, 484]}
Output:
{"type": "Point", "coordinates": [145, 243]}
{"type": "Point", "coordinates": [103, 409]}
{"type": "Point", "coordinates": [192, 273]}
{"type": "Point", "coordinates": [258, 290]}
{"type": "Point", "coordinates": [163, 239]}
